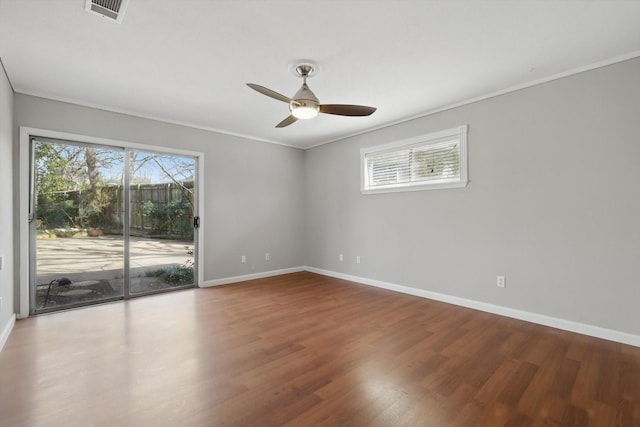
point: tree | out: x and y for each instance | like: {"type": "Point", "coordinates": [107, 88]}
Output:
{"type": "Point", "coordinates": [76, 184]}
{"type": "Point", "coordinates": [52, 181]}
{"type": "Point", "coordinates": [174, 169]}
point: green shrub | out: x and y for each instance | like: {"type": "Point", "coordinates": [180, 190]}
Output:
{"type": "Point", "coordinates": [177, 275]}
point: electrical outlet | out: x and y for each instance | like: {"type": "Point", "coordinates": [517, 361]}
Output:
{"type": "Point", "coordinates": [341, 257]}
{"type": "Point", "coordinates": [501, 282]}
{"type": "Point", "coordinates": [358, 259]}
{"type": "Point", "coordinates": [243, 259]}
{"type": "Point", "coordinates": [267, 256]}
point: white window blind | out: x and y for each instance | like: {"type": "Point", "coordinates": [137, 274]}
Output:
{"type": "Point", "coordinates": [435, 160]}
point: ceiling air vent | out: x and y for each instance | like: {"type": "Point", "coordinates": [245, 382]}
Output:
{"type": "Point", "coordinates": [112, 9]}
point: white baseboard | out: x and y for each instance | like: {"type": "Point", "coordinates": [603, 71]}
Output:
{"type": "Point", "coordinates": [7, 331]}
{"type": "Point", "coordinates": [554, 322]}
{"type": "Point", "coordinates": [234, 279]}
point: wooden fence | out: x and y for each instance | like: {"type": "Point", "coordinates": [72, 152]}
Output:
{"type": "Point", "coordinates": [160, 209]}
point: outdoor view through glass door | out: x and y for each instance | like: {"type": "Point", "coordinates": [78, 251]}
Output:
{"type": "Point", "coordinates": [162, 230]}
{"type": "Point", "coordinates": [108, 223]}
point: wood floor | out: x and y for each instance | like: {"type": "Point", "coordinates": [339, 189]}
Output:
{"type": "Point", "coordinates": [308, 350]}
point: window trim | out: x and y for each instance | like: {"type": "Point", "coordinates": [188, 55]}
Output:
{"type": "Point", "coordinates": [459, 132]}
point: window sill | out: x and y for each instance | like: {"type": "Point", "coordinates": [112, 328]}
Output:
{"type": "Point", "coordinates": [416, 187]}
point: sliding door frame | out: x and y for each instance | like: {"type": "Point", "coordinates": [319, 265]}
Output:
{"type": "Point", "coordinates": [24, 253]}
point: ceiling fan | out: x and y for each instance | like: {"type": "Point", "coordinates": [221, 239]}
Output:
{"type": "Point", "coordinates": [305, 105]}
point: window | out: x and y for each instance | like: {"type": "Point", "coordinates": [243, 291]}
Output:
{"type": "Point", "coordinates": [433, 161]}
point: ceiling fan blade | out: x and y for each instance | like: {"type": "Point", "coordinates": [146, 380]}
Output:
{"type": "Point", "coordinates": [347, 110]}
{"type": "Point", "coordinates": [287, 121]}
{"type": "Point", "coordinates": [271, 93]}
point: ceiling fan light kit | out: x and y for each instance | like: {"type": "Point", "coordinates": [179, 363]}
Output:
{"type": "Point", "coordinates": [304, 109]}
{"type": "Point", "coordinates": [305, 104]}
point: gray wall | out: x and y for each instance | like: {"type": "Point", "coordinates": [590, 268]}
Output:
{"type": "Point", "coordinates": [253, 190]}
{"type": "Point", "coordinates": [6, 200]}
{"type": "Point", "coordinates": [553, 204]}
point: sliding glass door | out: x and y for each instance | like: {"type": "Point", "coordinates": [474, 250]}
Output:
{"type": "Point", "coordinates": [108, 223]}
{"type": "Point", "coordinates": [77, 227]}
{"type": "Point", "coordinates": [161, 242]}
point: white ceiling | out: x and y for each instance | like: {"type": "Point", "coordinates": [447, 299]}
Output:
{"type": "Point", "coordinates": [187, 61]}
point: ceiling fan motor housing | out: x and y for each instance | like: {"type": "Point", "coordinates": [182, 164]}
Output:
{"type": "Point", "coordinates": [304, 104]}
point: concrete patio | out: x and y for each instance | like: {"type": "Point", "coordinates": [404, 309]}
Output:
{"type": "Point", "coordinates": [101, 259]}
